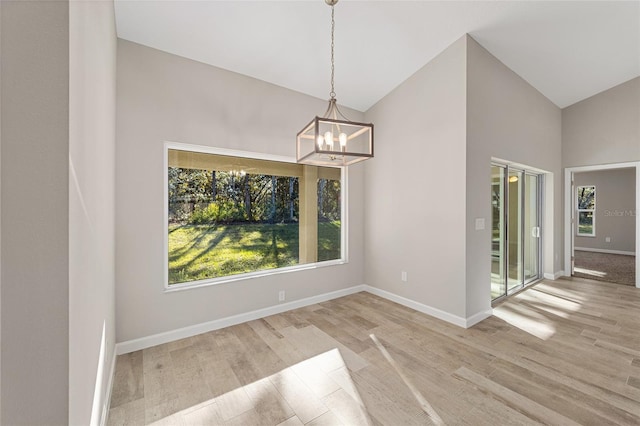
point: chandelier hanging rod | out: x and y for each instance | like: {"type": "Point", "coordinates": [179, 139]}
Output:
{"type": "Point", "coordinates": [333, 139]}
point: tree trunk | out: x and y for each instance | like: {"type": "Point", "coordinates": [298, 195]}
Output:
{"type": "Point", "coordinates": [213, 186]}
{"type": "Point", "coordinates": [323, 182]}
{"type": "Point", "coordinates": [247, 198]}
{"type": "Point", "coordinates": [291, 182]}
{"type": "Point", "coordinates": [273, 199]}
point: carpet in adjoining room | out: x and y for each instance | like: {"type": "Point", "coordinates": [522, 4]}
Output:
{"type": "Point", "coordinates": [613, 268]}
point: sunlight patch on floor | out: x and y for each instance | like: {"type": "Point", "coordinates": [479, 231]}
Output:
{"type": "Point", "coordinates": [306, 390]}
{"type": "Point", "coordinates": [565, 294]}
{"type": "Point", "coordinates": [530, 322]}
{"type": "Point", "coordinates": [591, 272]}
{"type": "Point", "coordinates": [554, 305]}
{"type": "Point", "coordinates": [424, 404]}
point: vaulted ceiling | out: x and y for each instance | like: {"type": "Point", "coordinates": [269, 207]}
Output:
{"type": "Point", "coordinates": [568, 50]}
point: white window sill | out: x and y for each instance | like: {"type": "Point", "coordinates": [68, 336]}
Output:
{"type": "Point", "coordinates": [170, 288]}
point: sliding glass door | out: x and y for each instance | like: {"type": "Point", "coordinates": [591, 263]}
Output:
{"type": "Point", "coordinates": [532, 228]}
{"type": "Point", "coordinates": [515, 230]}
{"type": "Point", "coordinates": [498, 255]}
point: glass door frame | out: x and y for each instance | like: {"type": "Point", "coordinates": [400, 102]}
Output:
{"type": "Point", "coordinates": [520, 239]}
{"type": "Point", "coordinates": [504, 245]}
{"type": "Point", "coordinates": [539, 200]}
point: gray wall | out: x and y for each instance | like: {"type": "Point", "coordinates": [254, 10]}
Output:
{"type": "Point", "coordinates": [415, 196]}
{"type": "Point", "coordinates": [57, 221]}
{"type": "Point", "coordinates": [615, 208]}
{"type": "Point", "coordinates": [604, 128]}
{"type": "Point", "coordinates": [163, 97]}
{"type": "Point", "coordinates": [35, 212]}
{"type": "Point", "coordinates": [0, 213]}
{"type": "Point", "coordinates": [91, 206]}
{"type": "Point", "coordinates": [506, 119]}
{"type": "Point", "coordinates": [430, 180]}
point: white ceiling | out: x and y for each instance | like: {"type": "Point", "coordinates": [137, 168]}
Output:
{"type": "Point", "coordinates": [568, 50]}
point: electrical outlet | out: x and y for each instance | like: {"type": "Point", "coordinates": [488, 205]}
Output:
{"type": "Point", "coordinates": [281, 296]}
{"type": "Point", "coordinates": [403, 276]}
{"type": "Point", "coordinates": [607, 239]}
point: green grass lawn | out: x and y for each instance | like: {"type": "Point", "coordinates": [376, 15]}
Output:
{"type": "Point", "coordinates": [585, 229]}
{"type": "Point", "coordinates": [198, 252]}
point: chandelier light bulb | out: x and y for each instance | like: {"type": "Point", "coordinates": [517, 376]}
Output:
{"type": "Point", "coordinates": [328, 138]}
{"type": "Point", "coordinates": [320, 142]}
{"type": "Point", "coordinates": [343, 140]}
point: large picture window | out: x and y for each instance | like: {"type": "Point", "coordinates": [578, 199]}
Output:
{"type": "Point", "coordinates": [586, 203]}
{"type": "Point", "coordinates": [231, 215]}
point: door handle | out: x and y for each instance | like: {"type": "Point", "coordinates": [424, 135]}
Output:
{"type": "Point", "coordinates": [535, 232]}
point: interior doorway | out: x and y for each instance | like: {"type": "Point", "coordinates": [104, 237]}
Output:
{"type": "Point", "coordinates": [516, 195]}
{"type": "Point", "coordinates": [602, 224]}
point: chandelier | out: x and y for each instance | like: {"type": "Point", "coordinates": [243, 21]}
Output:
{"type": "Point", "coordinates": [334, 140]}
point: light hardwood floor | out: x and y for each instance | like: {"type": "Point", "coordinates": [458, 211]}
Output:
{"type": "Point", "coordinates": [559, 353]}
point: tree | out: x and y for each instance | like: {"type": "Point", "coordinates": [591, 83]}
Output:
{"type": "Point", "coordinates": [200, 196]}
{"type": "Point", "coordinates": [247, 198]}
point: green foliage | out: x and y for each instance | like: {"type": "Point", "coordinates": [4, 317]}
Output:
{"type": "Point", "coordinates": [227, 223]}
{"type": "Point", "coordinates": [586, 197]}
{"type": "Point", "coordinates": [585, 229]}
{"type": "Point", "coordinates": [328, 200]}
{"type": "Point", "coordinates": [219, 212]}
{"type": "Point", "coordinates": [198, 252]}
{"type": "Point", "coordinates": [188, 188]}
{"type": "Point", "coordinates": [329, 237]}
{"type": "Point", "coordinates": [585, 223]}
{"type": "Point", "coordinates": [260, 198]}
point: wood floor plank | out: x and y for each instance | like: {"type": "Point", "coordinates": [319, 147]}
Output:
{"type": "Point", "coordinates": [345, 408]}
{"type": "Point", "coordinates": [327, 419]}
{"type": "Point", "coordinates": [130, 413]}
{"type": "Point", "coordinates": [304, 403]}
{"type": "Point", "coordinates": [313, 342]}
{"type": "Point", "coordinates": [291, 421]}
{"type": "Point", "coordinates": [267, 361]}
{"type": "Point", "coordinates": [389, 401]}
{"type": "Point", "coordinates": [344, 333]}
{"type": "Point", "coordinates": [560, 352]}
{"type": "Point", "coordinates": [159, 381]}
{"type": "Point", "coordinates": [286, 349]}
{"type": "Point", "coordinates": [268, 402]}
{"type": "Point", "coordinates": [249, 417]}
{"type": "Point", "coordinates": [237, 356]}
{"type": "Point", "coordinates": [128, 382]}
{"type": "Point", "coordinates": [204, 415]}
{"type": "Point", "coordinates": [277, 321]}
{"type": "Point", "coordinates": [313, 374]}
{"type": "Point", "coordinates": [593, 408]}
{"type": "Point", "coordinates": [514, 399]}
{"type": "Point", "coordinates": [234, 403]}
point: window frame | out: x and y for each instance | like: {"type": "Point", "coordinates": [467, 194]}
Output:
{"type": "Point", "coordinates": [344, 219]}
{"type": "Point", "coordinates": [593, 211]}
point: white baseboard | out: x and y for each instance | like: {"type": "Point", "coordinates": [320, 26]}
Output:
{"type": "Point", "coordinates": [107, 403]}
{"type": "Point", "coordinates": [430, 310]}
{"type": "Point", "coordinates": [597, 250]}
{"type": "Point", "coordinates": [475, 319]}
{"type": "Point", "coordinates": [193, 330]}
{"type": "Point", "coordinates": [555, 275]}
